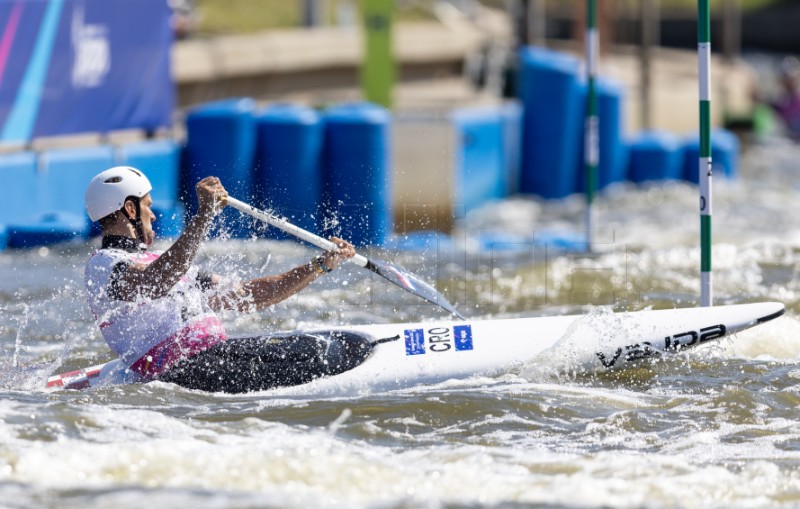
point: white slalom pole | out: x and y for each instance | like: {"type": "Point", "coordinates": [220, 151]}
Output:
{"type": "Point", "coordinates": [705, 166]}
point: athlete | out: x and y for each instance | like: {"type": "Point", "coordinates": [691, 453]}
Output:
{"type": "Point", "coordinates": [788, 104]}
{"type": "Point", "coordinates": [157, 311]}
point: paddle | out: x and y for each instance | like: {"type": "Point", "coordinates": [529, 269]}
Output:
{"type": "Point", "coordinates": [394, 274]}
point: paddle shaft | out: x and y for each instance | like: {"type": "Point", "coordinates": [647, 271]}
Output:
{"type": "Point", "coordinates": [391, 273]}
{"type": "Point", "coordinates": [291, 229]}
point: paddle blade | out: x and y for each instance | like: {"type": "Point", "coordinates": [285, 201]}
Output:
{"type": "Point", "coordinates": [411, 283]}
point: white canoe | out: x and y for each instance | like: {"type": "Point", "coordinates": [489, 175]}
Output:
{"type": "Point", "coordinates": [407, 354]}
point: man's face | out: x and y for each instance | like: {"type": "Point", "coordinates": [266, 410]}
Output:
{"type": "Point", "coordinates": [148, 216]}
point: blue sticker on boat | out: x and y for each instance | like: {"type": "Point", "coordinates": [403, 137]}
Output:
{"type": "Point", "coordinates": [415, 341]}
{"type": "Point", "coordinates": [463, 334]}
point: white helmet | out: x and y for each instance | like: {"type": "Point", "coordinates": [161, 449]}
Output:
{"type": "Point", "coordinates": [108, 190]}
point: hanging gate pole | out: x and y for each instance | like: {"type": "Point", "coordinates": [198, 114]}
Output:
{"type": "Point", "coordinates": [592, 128]}
{"type": "Point", "coordinates": [704, 72]}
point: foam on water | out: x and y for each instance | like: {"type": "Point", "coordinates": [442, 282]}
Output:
{"type": "Point", "coordinates": [301, 467]}
{"type": "Point", "coordinates": [572, 444]}
{"type": "Point", "coordinates": [776, 340]}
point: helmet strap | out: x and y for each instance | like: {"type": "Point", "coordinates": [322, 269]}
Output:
{"type": "Point", "coordinates": [136, 222]}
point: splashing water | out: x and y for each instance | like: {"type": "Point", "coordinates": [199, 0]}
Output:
{"type": "Point", "coordinates": [715, 428]}
{"type": "Point", "coordinates": [21, 325]}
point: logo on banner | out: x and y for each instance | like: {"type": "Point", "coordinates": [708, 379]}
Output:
{"type": "Point", "coordinates": [92, 52]}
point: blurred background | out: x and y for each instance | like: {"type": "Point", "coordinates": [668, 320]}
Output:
{"type": "Point", "coordinates": [389, 116]}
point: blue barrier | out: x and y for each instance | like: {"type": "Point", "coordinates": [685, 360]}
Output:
{"type": "Point", "coordinates": [18, 173]}
{"type": "Point", "coordinates": [480, 172]}
{"type": "Point", "coordinates": [487, 241]}
{"type": "Point", "coordinates": [724, 156]}
{"type": "Point", "coordinates": [20, 183]}
{"type": "Point", "coordinates": [357, 172]}
{"type": "Point", "coordinates": [551, 92]}
{"type": "Point", "coordinates": [287, 176]}
{"type": "Point", "coordinates": [507, 242]}
{"type": "Point", "coordinates": [655, 155]}
{"type": "Point", "coordinates": [59, 197]}
{"type": "Point", "coordinates": [47, 228]}
{"type": "Point", "coordinates": [221, 140]}
{"type": "Point", "coordinates": [420, 241]}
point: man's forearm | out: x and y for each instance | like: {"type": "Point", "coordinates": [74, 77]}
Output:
{"type": "Point", "coordinates": [263, 292]}
{"type": "Point", "coordinates": [172, 265]}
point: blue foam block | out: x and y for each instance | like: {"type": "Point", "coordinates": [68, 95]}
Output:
{"type": "Point", "coordinates": [357, 169]}
{"type": "Point", "coordinates": [551, 91]}
{"type": "Point", "coordinates": [480, 170]}
{"type": "Point", "coordinates": [655, 155]}
{"type": "Point", "coordinates": [288, 175]}
{"type": "Point", "coordinates": [724, 156]}
{"type": "Point", "coordinates": [221, 141]}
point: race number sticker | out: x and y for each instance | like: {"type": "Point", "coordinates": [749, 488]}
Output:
{"type": "Point", "coordinates": [438, 339]}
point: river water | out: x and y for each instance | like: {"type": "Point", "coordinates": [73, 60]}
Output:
{"type": "Point", "coordinates": [711, 428]}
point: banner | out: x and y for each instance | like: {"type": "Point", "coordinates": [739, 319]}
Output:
{"type": "Point", "coordinates": [73, 66]}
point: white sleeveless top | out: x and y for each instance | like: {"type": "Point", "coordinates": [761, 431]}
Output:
{"type": "Point", "coordinates": [150, 335]}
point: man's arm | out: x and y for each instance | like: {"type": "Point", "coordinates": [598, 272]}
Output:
{"type": "Point", "coordinates": [156, 279]}
{"type": "Point", "coordinates": [263, 292]}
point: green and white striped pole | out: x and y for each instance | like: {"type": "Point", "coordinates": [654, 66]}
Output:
{"type": "Point", "coordinates": [591, 128]}
{"type": "Point", "coordinates": [704, 71]}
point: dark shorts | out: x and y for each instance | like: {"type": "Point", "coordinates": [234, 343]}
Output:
{"type": "Point", "coordinates": [257, 363]}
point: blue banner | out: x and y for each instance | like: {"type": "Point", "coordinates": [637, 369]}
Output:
{"type": "Point", "coordinates": [73, 66]}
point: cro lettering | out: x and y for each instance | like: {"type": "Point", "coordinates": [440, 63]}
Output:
{"type": "Point", "coordinates": [440, 339]}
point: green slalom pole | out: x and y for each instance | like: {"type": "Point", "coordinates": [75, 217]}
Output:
{"type": "Point", "coordinates": [591, 128]}
{"type": "Point", "coordinates": [704, 72]}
